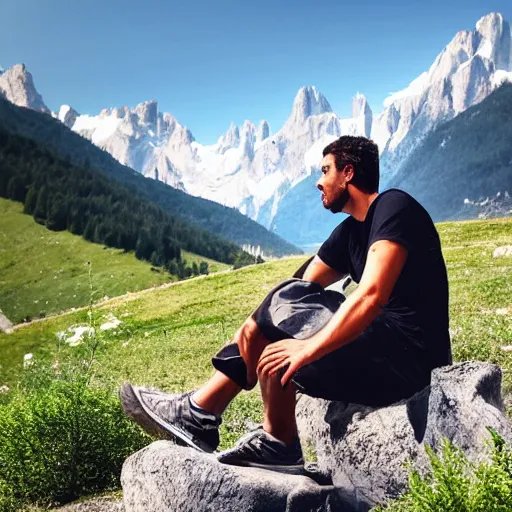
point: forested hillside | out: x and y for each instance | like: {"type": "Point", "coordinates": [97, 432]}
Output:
{"type": "Point", "coordinates": [63, 196]}
{"type": "Point", "coordinates": [225, 222]}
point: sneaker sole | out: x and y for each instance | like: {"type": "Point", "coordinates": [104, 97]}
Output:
{"type": "Point", "coordinates": [134, 407]}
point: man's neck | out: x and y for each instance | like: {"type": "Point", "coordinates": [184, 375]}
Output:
{"type": "Point", "coordinates": [359, 204]}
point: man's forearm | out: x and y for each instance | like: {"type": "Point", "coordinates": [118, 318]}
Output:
{"type": "Point", "coordinates": [351, 319]}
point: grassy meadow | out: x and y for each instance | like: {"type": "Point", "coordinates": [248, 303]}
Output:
{"type": "Point", "coordinates": [164, 337]}
{"type": "Point", "coordinates": [167, 336]}
{"type": "Point", "coordinates": [43, 272]}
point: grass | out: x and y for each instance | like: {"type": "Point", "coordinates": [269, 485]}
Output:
{"type": "Point", "coordinates": [43, 272]}
{"type": "Point", "coordinates": [167, 335]}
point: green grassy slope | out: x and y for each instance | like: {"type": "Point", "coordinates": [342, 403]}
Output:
{"type": "Point", "coordinates": [167, 336]}
{"type": "Point", "coordinates": [43, 271]}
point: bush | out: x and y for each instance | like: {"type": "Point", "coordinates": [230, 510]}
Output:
{"type": "Point", "coordinates": [62, 441]}
{"type": "Point", "coordinates": [457, 485]}
{"type": "Point", "coordinates": [62, 437]}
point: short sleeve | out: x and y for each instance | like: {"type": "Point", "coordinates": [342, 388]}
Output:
{"type": "Point", "coordinates": [394, 220]}
{"type": "Point", "coordinates": [333, 252]}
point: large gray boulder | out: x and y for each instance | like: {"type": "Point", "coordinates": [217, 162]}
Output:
{"type": "Point", "coordinates": [365, 450]}
{"type": "Point", "coordinates": [167, 477]}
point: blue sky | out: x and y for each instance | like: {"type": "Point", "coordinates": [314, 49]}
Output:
{"type": "Point", "coordinates": [212, 62]}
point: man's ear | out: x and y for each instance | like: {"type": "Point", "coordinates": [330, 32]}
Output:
{"type": "Point", "coordinates": [349, 172]}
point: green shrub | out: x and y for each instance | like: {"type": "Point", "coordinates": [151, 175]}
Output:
{"type": "Point", "coordinates": [458, 485]}
{"type": "Point", "coordinates": [61, 442]}
{"type": "Point", "coordinates": [62, 437]}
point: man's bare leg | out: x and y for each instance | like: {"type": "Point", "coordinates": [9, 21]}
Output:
{"type": "Point", "coordinates": [279, 407]}
{"type": "Point", "coordinates": [216, 394]}
{"type": "Point", "coordinates": [279, 404]}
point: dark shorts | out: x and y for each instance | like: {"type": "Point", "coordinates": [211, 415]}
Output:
{"type": "Point", "coordinates": [377, 368]}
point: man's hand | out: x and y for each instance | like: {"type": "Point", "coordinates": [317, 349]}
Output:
{"type": "Point", "coordinates": [290, 353]}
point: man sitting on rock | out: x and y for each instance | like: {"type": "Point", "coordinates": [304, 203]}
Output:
{"type": "Point", "coordinates": [377, 346]}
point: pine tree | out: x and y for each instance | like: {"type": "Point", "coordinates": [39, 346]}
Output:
{"type": "Point", "coordinates": [30, 201]}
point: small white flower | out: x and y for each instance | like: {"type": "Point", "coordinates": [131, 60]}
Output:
{"type": "Point", "coordinates": [28, 359]}
{"type": "Point", "coordinates": [4, 389]}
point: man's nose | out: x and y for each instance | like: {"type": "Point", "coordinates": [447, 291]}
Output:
{"type": "Point", "coordinates": [319, 185]}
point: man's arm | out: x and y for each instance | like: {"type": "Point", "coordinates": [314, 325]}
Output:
{"type": "Point", "coordinates": [384, 263]}
{"type": "Point", "coordinates": [318, 272]}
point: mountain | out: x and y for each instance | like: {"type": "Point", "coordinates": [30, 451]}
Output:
{"type": "Point", "coordinates": [246, 168]}
{"type": "Point", "coordinates": [259, 173]}
{"type": "Point", "coordinates": [217, 219]}
{"type": "Point", "coordinates": [17, 85]}
{"type": "Point", "coordinates": [468, 69]}
{"type": "Point", "coordinates": [85, 202]}
{"type": "Point", "coordinates": [463, 169]}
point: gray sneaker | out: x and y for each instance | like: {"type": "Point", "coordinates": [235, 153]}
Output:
{"type": "Point", "coordinates": [171, 416]}
{"type": "Point", "coordinates": [259, 450]}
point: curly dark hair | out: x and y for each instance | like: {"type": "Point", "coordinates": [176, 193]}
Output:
{"type": "Point", "coordinates": [363, 154]}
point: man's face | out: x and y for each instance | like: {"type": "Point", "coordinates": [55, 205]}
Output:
{"type": "Point", "coordinates": [333, 185]}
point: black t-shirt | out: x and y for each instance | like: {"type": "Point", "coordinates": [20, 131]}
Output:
{"type": "Point", "coordinates": [417, 310]}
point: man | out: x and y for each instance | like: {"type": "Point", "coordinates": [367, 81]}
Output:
{"type": "Point", "coordinates": [375, 347]}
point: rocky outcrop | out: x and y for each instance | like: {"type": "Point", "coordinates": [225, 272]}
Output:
{"type": "Point", "coordinates": [17, 85]}
{"type": "Point", "coordinates": [164, 476]}
{"type": "Point", "coordinates": [504, 250]}
{"type": "Point", "coordinates": [5, 324]}
{"type": "Point", "coordinates": [67, 115]}
{"type": "Point", "coordinates": [365, 449]}
{"type": "Point", "coordinates": [361, 452]}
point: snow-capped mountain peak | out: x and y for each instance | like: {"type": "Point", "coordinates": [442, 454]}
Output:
{"type": "Point", "coordinates": [362, 113]}
{"type": "Point", "coordinates": [67, 115]}
{"type": "Point", "coordinates": [465, 72]}
{"type": "Point", "coordinates": [309, 101]}
{"type": "Point", "coordinates": [231, 139]}
{"type": "Point", "coordinates": [147, 112]}
{"type": "Point", "coordinates": [263, 132]}
{"type": "Point", "coordinates": [17, 85]}
{"type": "Point", "coordinates": [260, 175]}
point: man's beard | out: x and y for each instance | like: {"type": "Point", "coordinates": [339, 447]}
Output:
{"type": "Point", "coordinates": [339, 203]}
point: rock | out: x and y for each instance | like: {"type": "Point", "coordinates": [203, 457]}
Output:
{"type": "Point", "coordinates": [5, 324]}
{"type": "Point", "coordinates": [504, 250]}
{"type": "Point", "coordinates": [17, 85]}
{"type": "Point", "coordinates": [164, 476]}
{"type": "Point", "coordinates": [365, 449]}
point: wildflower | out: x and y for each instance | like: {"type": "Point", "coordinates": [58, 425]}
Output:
{"type": "Point", "coordinates": [28, 360]}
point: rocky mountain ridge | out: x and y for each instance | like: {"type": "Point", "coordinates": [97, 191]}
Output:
{"type": "Point", "coordinates": [256, 172]}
